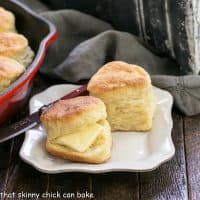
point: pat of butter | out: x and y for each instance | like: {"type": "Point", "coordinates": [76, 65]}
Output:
{"type": "Point", "coordinates": [81, 140]}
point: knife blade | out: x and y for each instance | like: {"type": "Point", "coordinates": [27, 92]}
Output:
{"type": "Point", "coordinates": [33, 119]}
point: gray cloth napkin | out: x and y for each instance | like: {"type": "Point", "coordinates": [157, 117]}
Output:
{"type": "Point", "coordinates": [85, 43]}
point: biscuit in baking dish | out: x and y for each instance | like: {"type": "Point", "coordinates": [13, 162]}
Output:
{"type": "Point", "coordinates": [127, 93]}
{"type": "Point", "coordinates": [77, 130]}
{"type": "Point", "coordinates": [7, 21]}
{"type": "Point", "coordinates": [10, 70]}
{"type": "Point", "coordinates": [16, 46]}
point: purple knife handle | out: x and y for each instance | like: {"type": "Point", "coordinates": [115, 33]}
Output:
{"type": "Point", "coordinates": [76, 92]}
{"type": "Point", "coordinates": [82, 90]}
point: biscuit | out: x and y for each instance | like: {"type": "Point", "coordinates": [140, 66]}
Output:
{"type": "Point", "coordinates": [7, 21]}
{"type": "Point", "coordinates": [16, 46]}
{"type": "Point", "coordinates": [77, 130]}
{"type": "Point", "coordinates": [10, 70]}
{"type": "Point", "coordinates": [127, 93]}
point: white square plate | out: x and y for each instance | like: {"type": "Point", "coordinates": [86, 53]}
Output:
{"type": "Point", "coordinates": [132, 151]}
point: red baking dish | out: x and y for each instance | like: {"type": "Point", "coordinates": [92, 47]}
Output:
{"type": "Point", "coordinates": [40, 33]}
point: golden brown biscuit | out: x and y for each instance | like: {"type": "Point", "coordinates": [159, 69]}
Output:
{"type": "Point", "coordinates": [7, 21]}
{"type": "Point", "coordinates": [77, 130]}
{"type": "Point", "coordinates": [10, 70]}
{"type": "Point", "coordinates": [15, 46]}
{"type": "Point", "coordinates": [126, 91]}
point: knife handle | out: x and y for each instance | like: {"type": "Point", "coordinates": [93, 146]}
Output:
{"type": "Point", "coordinates": [82, 90]}
{"type": "Point", "coordinates": [76, 92]}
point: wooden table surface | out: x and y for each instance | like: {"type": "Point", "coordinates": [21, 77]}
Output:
{"type": "Point", "coordinates": [179, 178]}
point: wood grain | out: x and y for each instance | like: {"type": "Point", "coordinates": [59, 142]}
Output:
{"type": "Point", "coordinates": [179, 12]}
{"type": "Point", "coordinates": [116, 186]}
{"type": "Point", "coordinates": [74, 185]}
{"type": "Point", "coordinates": [155, 24]}
{"type": "Point", "coordinates": [5, 153]}
{"type": "Point", "coordinates": [169, 181]}
{"type": "Point", "coordinates": [8, 152]}
{"type": "Point", "coordinates": [192, 147]}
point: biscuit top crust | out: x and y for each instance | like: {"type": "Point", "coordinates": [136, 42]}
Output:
{"type": "Point", "coordinates": [7, 20]}
{"type": "Point", "coordinates": [10, 68]}
{"type": "Point", "coordinates": [12, 43]}
{"type": "Point", "coordinates": [118, 74]}
{"type": "Point", "coordinates": [72, 108]}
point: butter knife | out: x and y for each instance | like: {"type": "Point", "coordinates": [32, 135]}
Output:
{"type": "Point", "coordinates": [33, 119]}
